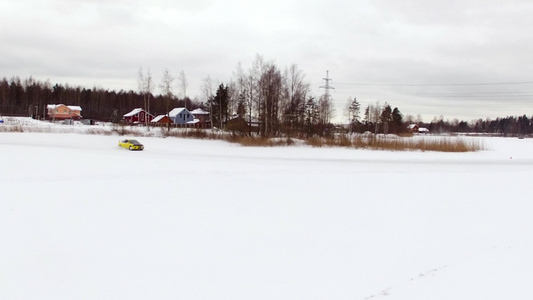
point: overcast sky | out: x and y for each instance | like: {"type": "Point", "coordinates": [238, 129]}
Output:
{"type": "Point", "coordinates": [463, 59]}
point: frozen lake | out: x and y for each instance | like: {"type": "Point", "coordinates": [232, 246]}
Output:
{"type": "Point", "coordinates": [81, 218]}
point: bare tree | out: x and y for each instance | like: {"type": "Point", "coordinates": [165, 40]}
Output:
{"type": "Point", "coordinates": [374, 114]}
{"type": "Point", "coordinates": [146, 87]}
{"type": "Point", "coordinates": [270, 91]}
{"type": "Point", "coordinates": [240, 80]}
{"type": "Point", "coordinates": [251, 88]}
{"type": "Point", "coordinates": [207, 89]}
{"type": "Point", "coordinates": [325, 109]}
{"type": "Point", "coordinates": [183, 84]}
{"type": "Point", "coordinates": [166, 89]}
{"type": "Point", "coordinates": [234, 96]}
{"type": "Point", "coordinates": [295, 93]}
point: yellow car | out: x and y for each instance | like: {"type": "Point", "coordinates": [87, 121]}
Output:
{"type": "Point", "coordinates": [131, 144]}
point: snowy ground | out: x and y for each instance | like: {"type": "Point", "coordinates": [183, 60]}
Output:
{"type": "Point", "coordinates": [186, 219]}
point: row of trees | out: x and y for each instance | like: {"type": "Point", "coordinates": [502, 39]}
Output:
{"type": "Point", "coordinates": [377, 118]}
{"type": "Point", "coordinates": [506, 126]}
{"type": "Point", "coordinates": [277, 101]}
{"type": "Point", "coordinates": [30, 97]}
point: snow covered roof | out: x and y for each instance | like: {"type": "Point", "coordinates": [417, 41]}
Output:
{"type": "Point", "coordinates": [133, 112]}
{"type": "Point", "coordinates": [72, 107]}
{"type": "Point", "coordinates": [158, 118]}
{"type": "Point", "coordinates": [199, 111]}
{"type": "Point", "coordinates": [193, 121]}
{"type": "Point", "coordinates": [176, 111]}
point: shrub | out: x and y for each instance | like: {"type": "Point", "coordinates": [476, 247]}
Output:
{"type": "Point", "coordinates": [315, 141]}
{"type": "Point", "coordinates": [11, 128]}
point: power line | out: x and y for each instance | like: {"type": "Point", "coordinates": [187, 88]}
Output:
{"type": "Point", "coordinates": [477, 93]}
{"type": "Point", "coordinates": [436, 84]}
{"type": "Point", "coordinates": [447, 95]}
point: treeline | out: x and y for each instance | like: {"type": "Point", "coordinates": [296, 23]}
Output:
{"type": "Point", "coordinates": [29, 97]}
{"type": "Point", "coordinates": [275, 101]}
{"type": "Point", "coordinates": [383, 119]}
{"type": "Point", "coordinates": [377, 118]}
{"type": "Point", "coordinates": [506, 126]}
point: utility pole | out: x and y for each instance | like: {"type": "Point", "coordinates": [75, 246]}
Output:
{"type": "Point", "coordinates": [326, 87]}
{"type": "Point", "coordinates": [324, 104]}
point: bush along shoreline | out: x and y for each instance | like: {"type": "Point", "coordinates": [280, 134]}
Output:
{"type": "Point", "coordinates": [344, 140]}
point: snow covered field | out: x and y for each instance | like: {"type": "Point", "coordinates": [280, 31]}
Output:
{"type": "Point", "coordinates": [188, 219]}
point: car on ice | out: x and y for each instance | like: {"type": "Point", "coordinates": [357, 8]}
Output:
{"type": "Point", "coordinates": [131, 144]}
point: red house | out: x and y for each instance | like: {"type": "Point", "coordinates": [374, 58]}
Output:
{"type": "Point", "coordinates": [161, 120]}
{"type": "Point", "coordinates": [137, 116]}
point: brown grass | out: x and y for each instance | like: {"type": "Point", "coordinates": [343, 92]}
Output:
{"type": "Point", "coordinates": [358, 141]}
{"type": "Point", "coordinates": [192, 134]}
{"type": "Point", "coordinates": [371, 142]}
{"type": "Point", "coordinates": [395, 143]}
{"type": "Point", "coordinates": [248, 141]}
{"type": "Point", "coordinates": [98, 131]}
{"type": "Point", "coordinates": [11, 128]}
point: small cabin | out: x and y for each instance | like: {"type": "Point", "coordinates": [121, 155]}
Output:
{"type": "Point", "coordinates": [137, 116]}
{"type": "Point", "coordinates": [161, 120]}
{"type": "Point", "coordinates": [180, 115]}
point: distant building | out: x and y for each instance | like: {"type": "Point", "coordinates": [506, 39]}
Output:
{"type": "Point", "coordinates": [423, 130]}
{"type": "Point", "coordinates": [137, 116]}
{"type": "Point", "coordinates": [414, 128]}
{"type": "Point", "coordinates": [181, 115]}
{"type": "Point", "coordinates": [202, 116]}
{"type": "Point", "coordinates": [161, 120]}
{"type": "Point", "coordinates": [63, 112]}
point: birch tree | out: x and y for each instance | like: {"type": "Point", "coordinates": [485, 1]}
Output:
{"type": "Point", "coordinates": [207, 90]}
{"type": "Point", "coordinates": [146, 87]}
{"type": "Point", "coordinates": [166, 89]}
{"type": "Point", "coordinates": [295, 93]}
{"type": "Point", "coordinates": [183, 84]}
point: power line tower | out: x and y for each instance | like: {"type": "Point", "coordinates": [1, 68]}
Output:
{"type": "Point", "coordinates": [326, 87]}
{"type": "Point", "coordinates": [325, 105]}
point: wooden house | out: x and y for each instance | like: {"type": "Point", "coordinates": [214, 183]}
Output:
{"type": "Point", "coordinates": [137, 116]}
{"type": "Point", "coordinates": [161, 120]}
{"type": "Point", "coordinates": [413, 128]}
{"type": "Point", "coordinates": [203, 118]}
{"type": "Point", "coordinates": [181, 115]}
{"type": "Point", "coordinates": [63, 112]}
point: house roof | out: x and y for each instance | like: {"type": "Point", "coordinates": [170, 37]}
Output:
{"type": "Point", "coordinates": [134, 112]}
{"type": "Point", "coordinates": [199, 111]}
{"type": "Point", "coordinates": [177, 111]}
{"type": "Point", "coordinates": [158, 118]}
{"type": "Point", "coordinates": [71, 107]}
